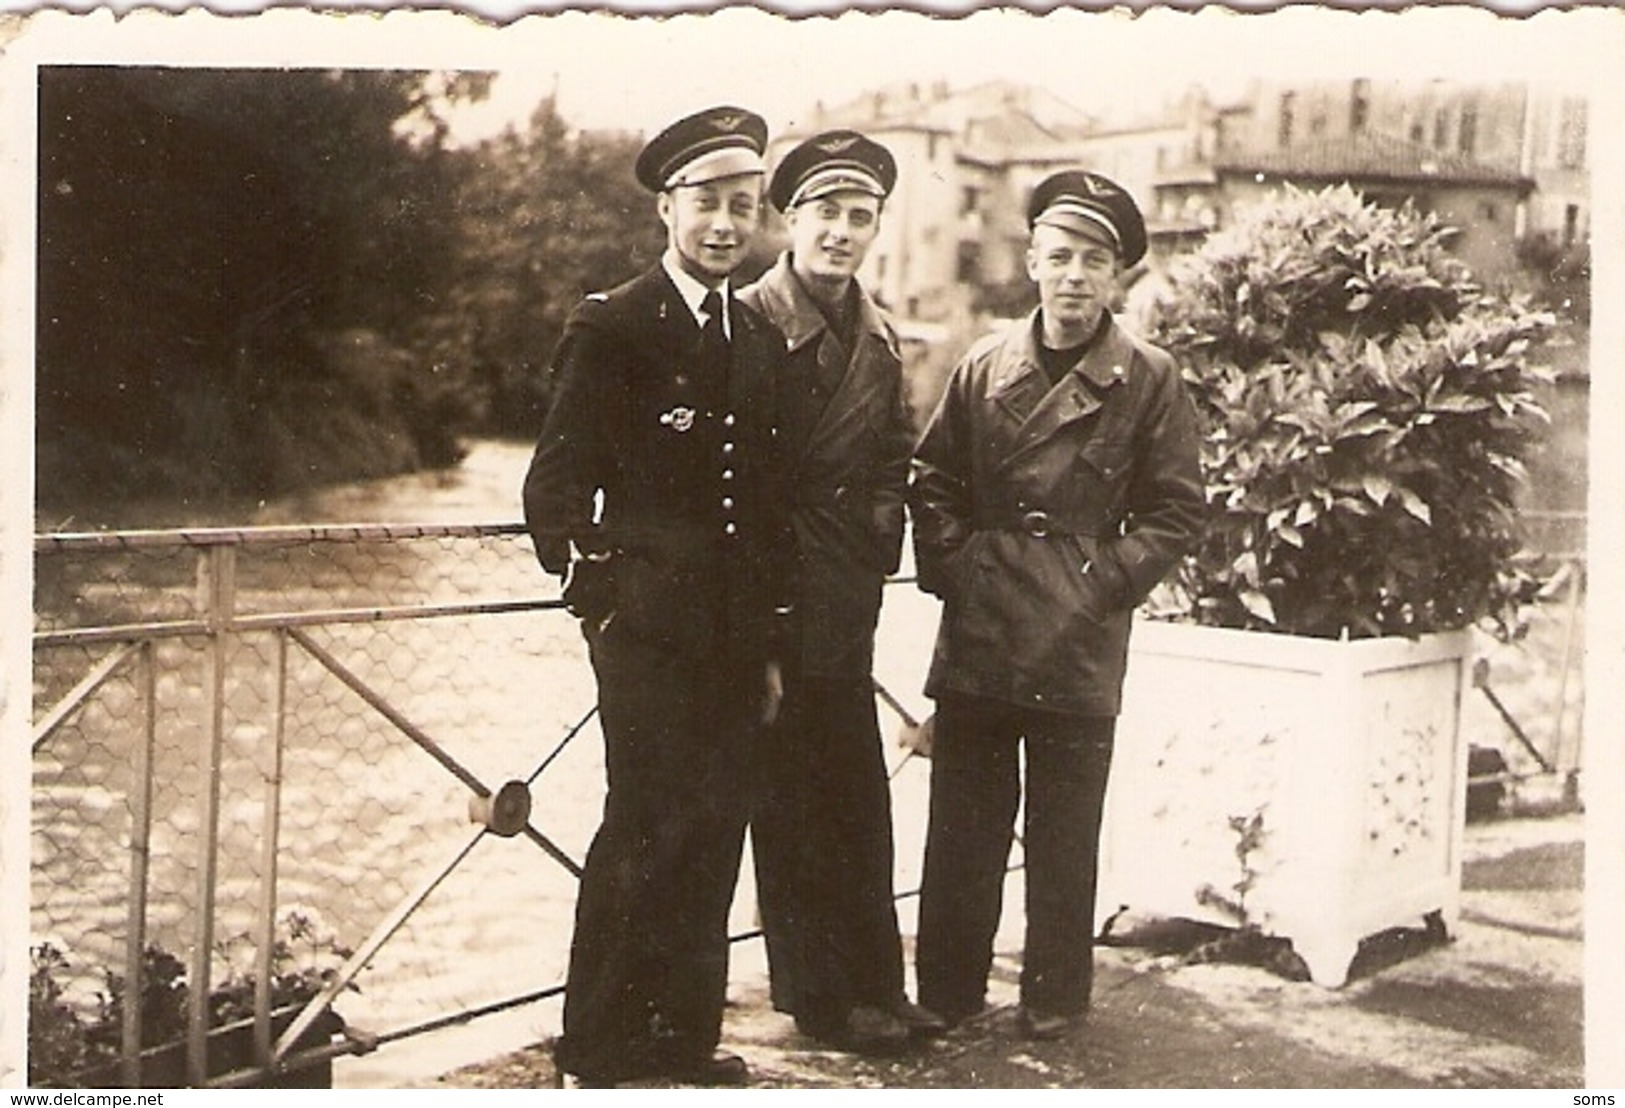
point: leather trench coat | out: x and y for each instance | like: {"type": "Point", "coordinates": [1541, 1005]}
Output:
{"type": "Point", "coordinates": [1044, 515]}
{"type": "Point", "coordinates": [847, 436]}
{"type": "Point", "coordinates": [687, 466]}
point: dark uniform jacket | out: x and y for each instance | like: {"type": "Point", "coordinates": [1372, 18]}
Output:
{"type": "Point", "coordinates": [847, 438]}
{"type": "Point", "coordinates": [1044, 515]}
{"type": "Point", "coordinates": [685, 461]}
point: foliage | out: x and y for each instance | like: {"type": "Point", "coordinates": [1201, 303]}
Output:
{"type": "Point", "coordinates": [544, 217]}
{"type": "Point", "coordinates": [58, 1040]}
{"type": "Point", "coordinates": [306, 956]}
{"type": "Point", "coordinates": [1562, 273]}
{"type": "Point", "coordinates": [64, 1039]}
{"type": "Point", "coordinates": [1368, 413]}
{"type": "Point", "coordinates": [207, 238]}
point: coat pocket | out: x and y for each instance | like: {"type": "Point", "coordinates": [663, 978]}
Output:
{"type": "Point", "coordinates": [1098, 582]}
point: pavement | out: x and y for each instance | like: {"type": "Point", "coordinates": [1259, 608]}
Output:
{"type": "Point", "coordinates": [1498, 1003]}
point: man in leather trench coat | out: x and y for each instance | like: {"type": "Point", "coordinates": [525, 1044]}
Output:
{"type": "Point", "coordinates": [654, 490]}
{"type": "Point", "coordinates": [822, 831]}
{"type": "Point", "coordinates": [1057, 481]}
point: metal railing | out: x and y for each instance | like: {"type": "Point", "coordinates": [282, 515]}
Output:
{"type": "Point", "coordinates": [231, 713]}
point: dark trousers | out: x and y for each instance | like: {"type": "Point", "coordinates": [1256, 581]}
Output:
{"type": "Point", "coordinates": [976, 788]}
{"type": "Point", "coordinates": [821, 834]}
{"type": "Point", "coordinates": [649, 957]}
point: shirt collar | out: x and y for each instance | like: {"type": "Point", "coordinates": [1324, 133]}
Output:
{"type": "Point", "coordinates": [693, 290]}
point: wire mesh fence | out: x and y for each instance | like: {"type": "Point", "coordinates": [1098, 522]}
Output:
{"type": "Point", "coordinates": [238, 729]}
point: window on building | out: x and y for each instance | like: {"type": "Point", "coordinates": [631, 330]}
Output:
{"type": "Point", "coordinates": [1418, 132]}
{"type": "Point", "coordinates": [1488, 212]}
{"type": "Point", "coordinates": [1467, 137]}
{"type": "Point", "coordinates": [1571, 224]}
{"type": "Point", "coordinates": [970, 198]}
{"type": "Point", "coordinates": [1359, 105]}
{"type": "Point", "coordinates": [1284, 124]}
{"type": "Point", "coordinates": [1441, 129]}
{"type": "Point", "coordinates": [968, 269]}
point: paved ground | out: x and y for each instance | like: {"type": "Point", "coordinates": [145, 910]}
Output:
{"type": "Point", "coordinates": [1498, 1005]}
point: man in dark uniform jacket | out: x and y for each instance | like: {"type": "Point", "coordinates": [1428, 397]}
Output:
{"type": "Point", "coordinates": [822, 830]}
{"type": "Point", "coordinates": [1056, 483]}
{"type": "Point", "coordinates": [653, 492]}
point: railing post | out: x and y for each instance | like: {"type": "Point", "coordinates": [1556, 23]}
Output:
{"type": "Point", "coordinates": [265, 935]}
{"type": "Point", "coordinates": [217, 601]}
{"type": "Point", "coordinates": [140, 858]}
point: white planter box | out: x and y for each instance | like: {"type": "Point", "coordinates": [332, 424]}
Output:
{"type": "Point", "coordinates": [1350, 752]}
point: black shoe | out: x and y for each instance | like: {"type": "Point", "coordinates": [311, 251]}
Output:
{"type": "Point", "coordinates": [863, 1030]}
{"type": "Point", "coordinates": [922, 1023]}
{"type": "Point", "coordinates": [952, 1017]}
{"type": "Point", "coordinates": [1036, 1023]}
{"type": "Point", "coordinates": [721, 1068]}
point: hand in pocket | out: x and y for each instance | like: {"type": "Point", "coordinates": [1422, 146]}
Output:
{"type": "Point", "coordinates": [589, 591]}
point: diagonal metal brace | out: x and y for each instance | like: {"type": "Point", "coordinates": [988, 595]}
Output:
{"type": "Point", "coordinates": [1481, 680]}
{"type": "Point", "coordinates": [422, 739]}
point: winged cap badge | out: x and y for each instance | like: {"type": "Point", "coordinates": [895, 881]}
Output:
{"type": "Point", "coordinates": [730, 122]}
{"type": "Point", "coordinates": [838, 143]}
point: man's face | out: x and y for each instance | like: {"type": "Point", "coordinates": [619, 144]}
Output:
{"type": "Point", "coordinates": [1076, 276]}
{"type": "Point", "coordinates": [711, 224]}
{"type": "Point", "coordinates": [830, 236]}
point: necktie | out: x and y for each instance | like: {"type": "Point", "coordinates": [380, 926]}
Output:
{"type": "Point", "coordinates": [712, 334]}
{"type": "Point", "coordinates": [713, 341]}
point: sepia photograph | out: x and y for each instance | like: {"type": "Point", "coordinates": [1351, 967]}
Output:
{"type": "Point", "coordinates": [811, 549]}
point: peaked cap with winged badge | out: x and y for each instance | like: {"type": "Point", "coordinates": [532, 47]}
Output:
{"type": "Point", "coordinates": [1092, 205]}
{"type": "Point", "coordinates": [708, 145]}
{"type": "Point", "coordinates": [829, 162]}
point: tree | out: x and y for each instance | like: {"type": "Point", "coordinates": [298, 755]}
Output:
{"type": "Point", "coordinates": [215, 247]}
{"type": "Point", "coordinates": [544, 217]}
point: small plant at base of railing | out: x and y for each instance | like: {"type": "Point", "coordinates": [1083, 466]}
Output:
{"type": "Point", "coordinates": [69, 1043]}
{"type": "Point", "coordinates": [306, 956]}
{"type": "Point", "coordinates": [58, 1039]}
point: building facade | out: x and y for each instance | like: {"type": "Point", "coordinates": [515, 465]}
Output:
{"type": "Point", "coordinates": [1500, 161]}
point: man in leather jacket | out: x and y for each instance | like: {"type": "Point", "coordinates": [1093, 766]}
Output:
{"type": "Point", "coordinates": [822, 831]}
{"type": "Point", "coordinates": [1057, 481]}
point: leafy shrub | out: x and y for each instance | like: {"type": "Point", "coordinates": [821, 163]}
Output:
{"type": "Point", "coordinates": [58, 1040]}
{"type": "Point", "coordinates": [69, 1043]}
{"type": "Point", "coordinates": [1368, 411]}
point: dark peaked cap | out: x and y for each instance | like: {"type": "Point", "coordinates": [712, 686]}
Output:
{"type": "Point", "coordinates": [1092, 205]}
{"type": "Point", "coordinates": [717, 142]}
{"type": "Point", "coordinates": [830, 162]}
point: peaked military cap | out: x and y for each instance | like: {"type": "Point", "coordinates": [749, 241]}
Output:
{"type": "Point", "coordinates": [1092, 205]}
{"type": "Point", "coordinates": [830, 162]}
{"type": "Point", "coordinates": [717, 142]}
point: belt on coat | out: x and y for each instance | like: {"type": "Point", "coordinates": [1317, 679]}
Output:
{"type": "Point", "coordinates": [1041, 523]}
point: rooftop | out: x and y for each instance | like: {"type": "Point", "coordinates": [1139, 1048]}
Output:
{"type": "Point", "coordinates": [1368, 157]}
